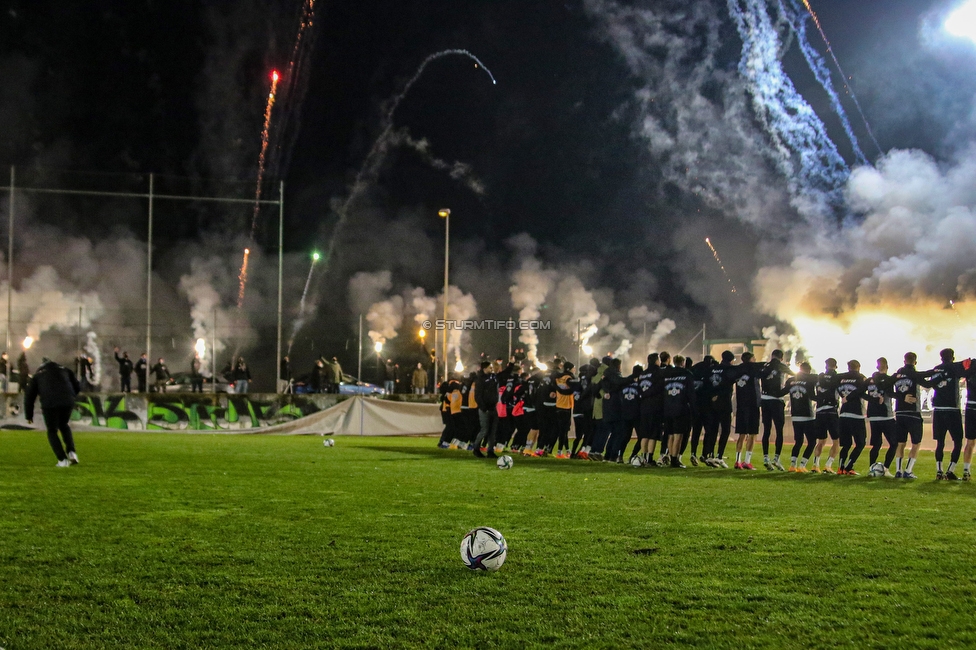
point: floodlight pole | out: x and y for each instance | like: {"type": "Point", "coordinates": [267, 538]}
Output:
{"type": "Point", "coordinates": [281, 240]}
{"type": "Point", "coordinates": [149, 252]}
{"type": "Point", "coordinates": [359, 367]}
{"type": "Point", "coordinates": [10, 254]}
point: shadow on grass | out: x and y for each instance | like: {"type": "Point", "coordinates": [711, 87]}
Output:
{"type": "Point", "coordinates": [590, 467]}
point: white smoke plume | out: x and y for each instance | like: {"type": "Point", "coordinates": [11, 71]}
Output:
{"type": "Point", "coordinates": [421, 305]}
{"type": "Point", "coordinates": [663, 329]}
{"type": "Point", "coordinates": [461, 306]}
{"type": "Point", "coordinates": [384, 319]}
{"type": "Point", "coordinates": [576, 309]}
{"type": "Point", "coordinates": [901, 278]}
{"type": "Point", "coordinates": [532, 285]}
{"type": "Point", "coordinates": [91, 347]}
{"type": "Point", "coordinates": [787, 342]}
{"type": "Point", "coordinates": [54, 308]}
{"type": "Point", "coordinates": [367, 289]}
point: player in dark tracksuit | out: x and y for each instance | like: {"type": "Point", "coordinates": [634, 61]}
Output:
{"type": "Point", "coordinates": [881, 416]}
{"type": "Point", "coordinates": [701, 371]}
{"type": "Point", "coordinates": [547, 415]}
{"type": "Point", "coordinates": [630, 411]}
{"type": "Point", "coordinates": [828, 420]}
{"type": "Point", "coordinates": [946, 417]}
{"type": "Point", "coordinates": [583, 412]}
{"type": "Point", "coordinates": [679, 407]}
{"type": "Point", "coordinates": [773, 407]}
{"type": "Point", "coordinates": [651, 408]}
{"type": "Point", "coordinates": [904, 388]}
{"type": "Point", "coordinates": [533, 402]}
{"type": "Point", "coordinates": [612, 385]}
{"type": "Point", "coordinates": [852, 389]}
{"type": "Point", "coordinates": [718, 425]}
{"type": "Point", "coordinates": [57, 387]}
{"type": "Point", "coordinates": [746, 410]}
{"type": "Point", "coordinates": [802, 388]}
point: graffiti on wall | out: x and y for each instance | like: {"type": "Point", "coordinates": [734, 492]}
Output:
{"type": "Point", "coordinates": [188, 413]}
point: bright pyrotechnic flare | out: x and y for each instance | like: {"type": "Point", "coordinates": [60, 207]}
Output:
{"type": "Point", "coordinates": [378, 347]}
{"type": "Point", "coordinates": [28, 341]}
{"type": "Point", "coordinates": [721, 266]}
{"type": "Point", "coordinates": [962, 21]}
{"type": "Point", "coordinates": [201, 348]}
{"type": "Point", "coordinates": [541, 366]}
{"type": "Point", "coordinates": [459, 366]}
{"type": "Point", "coordinates": [242, 277]}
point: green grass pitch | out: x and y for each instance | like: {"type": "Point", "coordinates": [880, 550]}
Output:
{"type": "Point", "coordinates": [201, 541]}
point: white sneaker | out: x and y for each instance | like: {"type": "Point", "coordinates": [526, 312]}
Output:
{"type": "Point", "coordinates": [64, 463]}
{"type": "Point", "coordinates": [73, 457]}
{"type": "Point", "coordinates": [722, 463]}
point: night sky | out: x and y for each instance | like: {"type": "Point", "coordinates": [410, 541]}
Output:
{"type": "Point", "coordinates": [178, 89]}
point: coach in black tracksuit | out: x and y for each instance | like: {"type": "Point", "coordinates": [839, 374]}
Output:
{"type": "Point", "coordinates": [57, 387]}
{"type": "Point", "coordinates": [486, 394]}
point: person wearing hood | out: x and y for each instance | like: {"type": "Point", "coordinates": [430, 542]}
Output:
{"type": "Point", "coordinates": [125, 370]}
{"type": "Point", "coordinates": [57, 387]}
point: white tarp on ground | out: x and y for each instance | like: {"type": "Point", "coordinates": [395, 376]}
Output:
{"type": "Point", "coordinates": [363, 416]}
{"type": "Point", "coordinates": [357, 416]}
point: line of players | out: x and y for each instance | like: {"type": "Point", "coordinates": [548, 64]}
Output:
{"type": "Point", "coordinates": [671, 402]}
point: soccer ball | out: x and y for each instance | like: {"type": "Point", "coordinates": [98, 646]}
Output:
{"type": "Point", "coordinates": [329, 442]}
{"type": "Point", "coordinates": [483, 549]}
{"type": "Point", "coordinates": [877, 470]}
{"type": "Point", "coordinates": [636, 461]}
{"type": "Point", "coordinates": [505, 462]}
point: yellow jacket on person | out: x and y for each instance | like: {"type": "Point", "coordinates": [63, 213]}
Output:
{"type": "Point", "coordinates": [564, 393]}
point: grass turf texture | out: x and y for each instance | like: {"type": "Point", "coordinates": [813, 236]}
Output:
{"type": "Point", "coordinates": [168, 541]}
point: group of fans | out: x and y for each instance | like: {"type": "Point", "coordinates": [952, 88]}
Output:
{"type": "Point", "coordinates": [671, 402]}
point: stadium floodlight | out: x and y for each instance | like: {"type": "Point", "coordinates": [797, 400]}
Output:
{"type": "Point", "coordinates": [316, 257]}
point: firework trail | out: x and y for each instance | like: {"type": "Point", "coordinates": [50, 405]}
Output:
{"type": "Point", "coordinates": [293, 93]}
{"type": "Point", "coordinates": [264, 150]}
{"type": "Point", "coordinates": [301, 306]}
{"type": "Point", "coordinates": [242, 278]}
{"type": "Point", "coordinates": [721, 265]}
{"type": "Point", "coordinates": [847, 88]}
{"type": "Point", "coordinates": [377, 153]}
{"type": "Point", "coordinates": [819, 68]}
{"type": "Point", "coordinates": [805, 155]}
